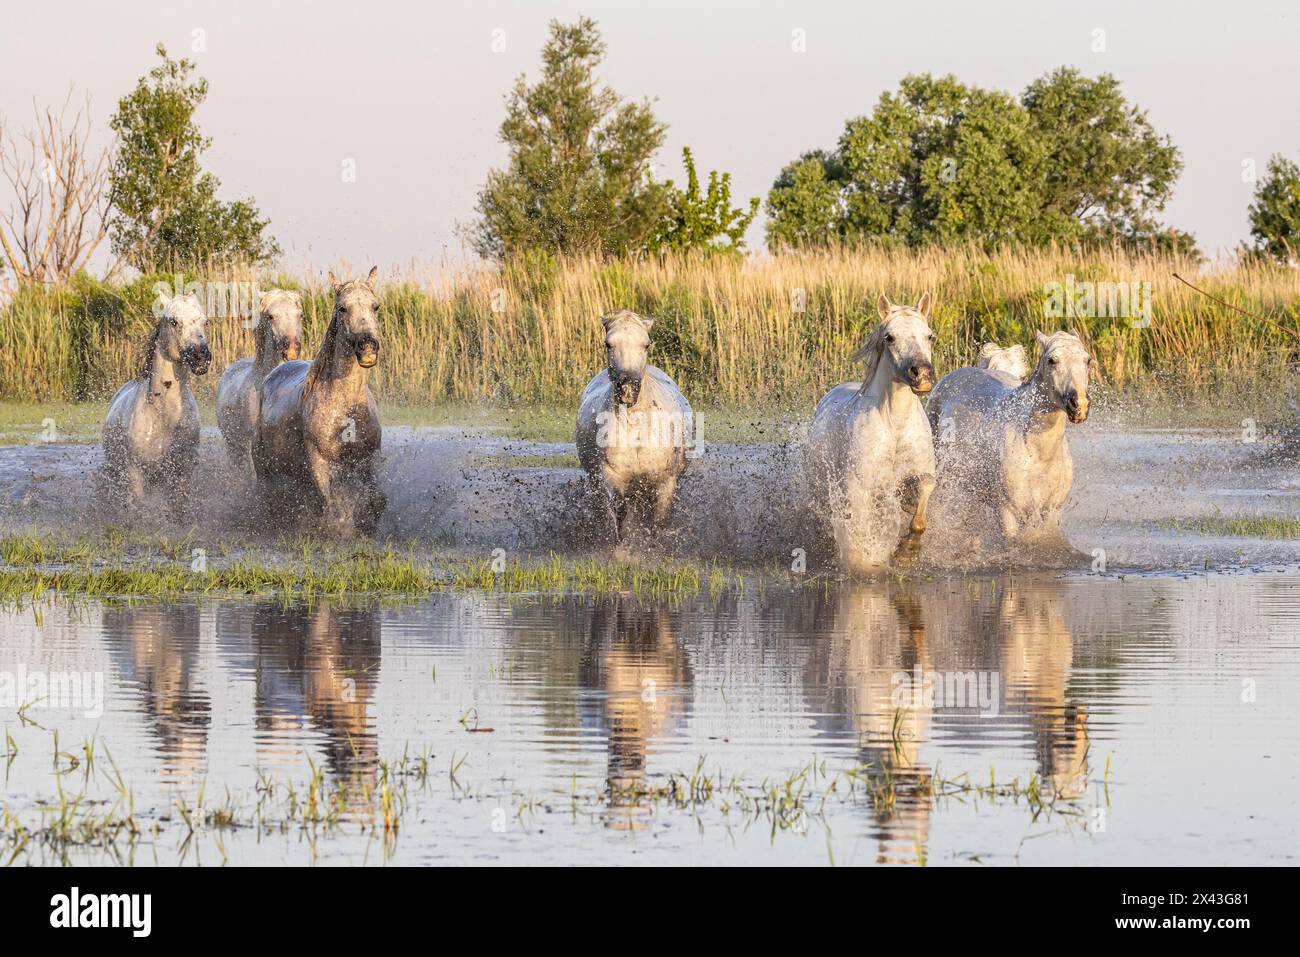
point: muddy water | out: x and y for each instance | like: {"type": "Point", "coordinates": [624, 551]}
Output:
{"type": "Point", "coordinates": [738, 503]}
{"type": "Point", "coordinates": [1154, 715]}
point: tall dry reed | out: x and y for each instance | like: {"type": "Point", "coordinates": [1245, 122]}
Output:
{"type": "Point", "coordinates": [736, 332]}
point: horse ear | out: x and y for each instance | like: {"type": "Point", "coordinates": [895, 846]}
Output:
{"type": "Point", "coordinates": [606, 320]}
{"type": "Point", "coordinates": [884, 306]}
{"type": "Point", "coordinates": [333, 280]}
{"type": "Point", "coordinates": [373, 274]}
{"type": "Point", "coordinates": [923, 307]}
{"type": "Point", "coordinates": [647, 322]}
{"type": "Point", "coordinates": [1041, 339]}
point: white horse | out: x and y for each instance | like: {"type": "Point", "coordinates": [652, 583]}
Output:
{"type": "Point", "coordinates": [318, 434]}
{"type": "Point", "coordinates": [870, 449]}
{"type": "Point", "coordinates": [151, 432]}
{"type": "Point", "coordinates": [1005, 443]}
{"type": "Point", "coordinates": [635, 428]}
{"type": "Point", "coordinates": [1010, 360]}
{"type": "Point", "coordinates": [239, 393]}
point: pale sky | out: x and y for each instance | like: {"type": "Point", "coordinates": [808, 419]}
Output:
{"type": "Point", "coordinates": [414, 92]}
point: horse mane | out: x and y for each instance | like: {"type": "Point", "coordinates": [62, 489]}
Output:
{"type": "Point", "coordinates": [324, 356]}
{"type": "Point", "coordinates": [871, 350]}
{"type": "Point", "coordinates": [150, 347]}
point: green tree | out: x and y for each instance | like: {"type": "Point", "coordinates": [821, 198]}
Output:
{"type": "Point", "coordinates": [705, 223]}
{"type": "Point", "coordinates": [1275, 213]}
{"type": "Point", "coordinates": [941, 161]}
{"type": "Point", "coordinates": [166, 213]}
{"type": "Point", "coordinates": [805, 206]}
{"type": "Point", "coordinates": [578, 178]}
{"type": "Point", "coordinates": [1106, 171]}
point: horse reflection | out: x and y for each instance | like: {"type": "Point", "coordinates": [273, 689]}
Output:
{"type": "Point", "coordinates": [315, 668]}
{"type": "Point", "coordinates": [320, 666]}
{"type": "Point", "coordinates": [876, 632]}
{"type": "Point", "coordinates": [1037, 653]}
{"type": "Point", "coordinates": [156, 649]}
{"type": "Point", "coordinates": [637, 678]}
{"type": "Point", "coordinates": [1014, 642]}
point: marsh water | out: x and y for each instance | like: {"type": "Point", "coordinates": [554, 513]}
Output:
{"type": "Point", "coordinates": [1156, 715]}
{"type": "Point", "coordinates": [1138, 710]}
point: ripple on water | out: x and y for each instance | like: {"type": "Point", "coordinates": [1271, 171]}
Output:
{"type": "Point", "coordinates": [1149, 709]}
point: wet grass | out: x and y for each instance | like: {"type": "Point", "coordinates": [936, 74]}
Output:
{"type": "Point", "coordinates": [1244, 526]}
{"type": "Point", "coordinates": [32, 423]}
{"type": "Point", "coordinates": [92, 809]}
{"type": "Point", "coordinates": [303, 568]}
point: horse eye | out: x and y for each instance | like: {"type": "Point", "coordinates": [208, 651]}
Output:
{"type": "Point", "coordinates": [889, 337]}
{"type": "Point", "coordinates": [176, 323]}
{"type": "Point", "coordinates": [1052, 361]}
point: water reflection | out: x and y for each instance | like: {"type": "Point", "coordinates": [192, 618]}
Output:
{"type": "Point", "coordinates": [315, 669]}
{"type": "Point", "coordinates": [635, 684]}
{"type": "Point", "coordinates": [973, 663]}
{"type": "Point", "coordinates": [871, 635]}
{"type": "Point", "coordinates": [156, 651]}
{"type": "Point", "coordinates": [610, 695]}
{"type": "Point", "coordinates": [878, 665]}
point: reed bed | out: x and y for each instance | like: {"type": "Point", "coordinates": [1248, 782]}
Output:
{"type": "Point", "coordinates": [741, 332]}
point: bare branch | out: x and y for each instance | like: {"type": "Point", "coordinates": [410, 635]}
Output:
{"type": "Point", "coordinates": [58, 212]}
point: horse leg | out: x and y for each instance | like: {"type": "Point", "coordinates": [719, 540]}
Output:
{"type": "Point", "coordinates": [924, 489]}
{"type": "Point", "coordinates": [178, 494]}
{"type": "Point", "coordinates": [318, 472]}
{"type": "Point", "coordinates": [372, 501]}
{"type": "Point", "coordinates": [133, 484]}
{"type": "Point", "coordinates": [663, 504]}
{"type": "Point", "coordinates": [1009, 521]}
{"type": "Point", "coordinates": [915, 498]}
{"type": "Point", "coordinates": [622, 516]}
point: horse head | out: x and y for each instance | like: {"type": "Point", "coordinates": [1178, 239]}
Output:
{"type": "Point", "coordinates": [356, 317]}
{"type": "Point", "coordinates": [1062, 373]}
{"type": "Point", "coordinates": [904, 341]}
{"type": "Point", "coordinates": [279, 317]}
{"type": "Point", "coordinates": [627, 346]}
{"type": "Point", "coordinates": [181, 335]}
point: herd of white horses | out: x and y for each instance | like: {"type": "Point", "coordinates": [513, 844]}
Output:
{"type": "Point", "coordinates": [307, 433]}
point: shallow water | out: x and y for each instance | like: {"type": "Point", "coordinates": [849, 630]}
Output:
{"type": "Point", "coordinates": [738, 504]}
{"type": "Point", "coordinates": [1155, 712]}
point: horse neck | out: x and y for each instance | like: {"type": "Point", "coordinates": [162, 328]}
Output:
{"type": "Point", "coordinates": [265, 359]}
{"type": "Point", "coordinates": [344, 376]}
{"type": "Point", "coordinates": [167, 380]}
{"type": "Point", "coordinates": [894, 399]}
{"type": "Point", "coordinates": [1041, 423]}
